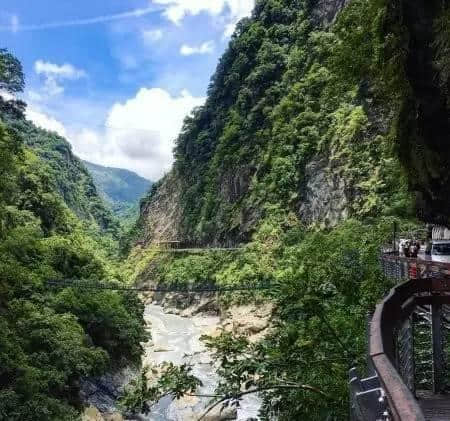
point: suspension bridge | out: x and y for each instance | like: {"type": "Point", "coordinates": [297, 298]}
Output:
{"type": "Point", "coordinates": [206, 287]}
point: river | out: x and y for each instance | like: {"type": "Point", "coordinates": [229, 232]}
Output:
{"type": "Point", "coordinates": [177, 339]}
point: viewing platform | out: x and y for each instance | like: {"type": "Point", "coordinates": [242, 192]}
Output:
{"type": "Point", "coordinates": [408, 373]}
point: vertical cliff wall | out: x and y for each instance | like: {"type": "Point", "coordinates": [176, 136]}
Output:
{"type": "Point", "coordinates": [326, 109]}
{"type": "Point", "coordinates": [424, 136]}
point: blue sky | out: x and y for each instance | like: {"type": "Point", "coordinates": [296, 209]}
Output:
{"type": "Point", "coordinates": [117, 77]}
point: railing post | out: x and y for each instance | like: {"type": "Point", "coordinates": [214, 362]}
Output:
{"type": "Point", "coordinates": [438, 352]}
{"type": "Point", "coordinates": [354, 388]}
{"type": "Point", "coordinates": [370, 367]}
{"type": "Point", "coordinates": [405, 353]}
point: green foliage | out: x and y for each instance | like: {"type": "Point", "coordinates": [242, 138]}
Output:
{"type": "Point", "coordinates": [12, 78]}
{"type": "Point", "coordinates": [121, 188]}
{"type": "Point", "coordinates": [64, 172]}
{"type": "Point", "coordinates": [286, 93]}
{"type": "Point", "coordinates": [324, 285]}
{"type": "Point", "coordinates": [168, 380]}
{"type": "Point", "coordinates": [52, 338]}
{"type": "Point", "coordinates": [112, 320]}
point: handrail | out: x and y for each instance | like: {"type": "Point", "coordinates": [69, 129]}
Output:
{"type": "Point", "coordinates": [393, 310]}
{"type": "Point", "coordinates": [388, 391]}
{"type": "Point", "coordinates": [402, 402]}
{"type": "Point", "coordinates": [424, 261]}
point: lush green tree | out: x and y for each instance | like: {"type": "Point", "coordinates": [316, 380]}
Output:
{"type": "Point", "coordinates": [12, 78]}
{"type": "Point", "coordinates": [51, 339]}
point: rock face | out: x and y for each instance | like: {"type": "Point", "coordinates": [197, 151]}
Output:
{"type": "Point", "coordinates": [250, 320]}
{"type": "Point", "coordinates": [161, 216]}
{"type": "Point", "coordinates": [93, 414]}
{"type": "Point", "coordinates": [103, 392]}
{"type": "Point", "coordinates": [425, 120]}
{"type": "Point", "coordinates": [185, 405]}
{"type": "Point", "coordinates": [325, 198]}
{"type": "Point", "coordinates": [186, 305]}
{"type": "Point", "coordinates": [325, 11]}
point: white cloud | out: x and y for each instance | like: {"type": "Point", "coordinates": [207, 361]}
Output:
{"type": "Point", "coordinates": [89, 145]}
{"type": "Point", "coordinates": [141, 132]}
{"type": "Point", "coordinates": [44, 121]}
{"type": "Point", "coordinates": [176, 10]}
{"type": "Point", "coordinates": [15, 23]}
{"type": "Point", "coordinates": [151, 35]}
{"type": "Point", "coordinates": [7, 96]}
{"type": "Point", "coordinates": [55, 74]}
{"type": "Point", "coordinates": [137, 13]}
{"type": "Point", "coordinates": [66, 71]}
{"type": "Point", "coordinates": [138, 135]}
{"type": "Point", "coordinates": [205, 48]}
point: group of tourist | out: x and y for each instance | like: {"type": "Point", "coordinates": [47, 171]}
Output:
{"type": "Point", "coordinates": [410, 248]}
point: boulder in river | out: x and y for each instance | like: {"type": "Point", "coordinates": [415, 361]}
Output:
{"type": "Point", "coordinates": [221, 414]}
{"type": "Point", "coordinates": [92, 414]}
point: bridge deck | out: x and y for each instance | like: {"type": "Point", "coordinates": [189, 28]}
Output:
{"type": "Point", "coordinates": [435, 407]}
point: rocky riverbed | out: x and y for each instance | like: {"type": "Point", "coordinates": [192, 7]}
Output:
{"type": "Point", "coordinates": [176, 338]}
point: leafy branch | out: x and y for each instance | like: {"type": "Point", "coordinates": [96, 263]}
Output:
{"type": "Point", "coordinates": [177, 381]}
{"type": "Point", "coordinates": [238, 396]}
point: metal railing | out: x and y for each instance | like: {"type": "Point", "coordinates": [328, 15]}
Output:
{"type": "Point", "coordinates": [407, 347]}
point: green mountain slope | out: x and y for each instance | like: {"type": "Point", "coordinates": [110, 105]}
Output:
{"type": "Point", "coordinates": [67, 173]}
{"type": "Point", "coordinates": [326, 122]}
{"type": "Point", "coordinates": [53, 227]}
{"type": "Point", "coordinates": [300, 115]}
{"type": "Point", "coordinates": [121, 188]}
{"type": "Point", "coordinates": [325, 108]}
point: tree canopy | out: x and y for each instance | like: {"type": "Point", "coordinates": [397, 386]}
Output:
{"type": "Point", "coordinates": [49, 215]}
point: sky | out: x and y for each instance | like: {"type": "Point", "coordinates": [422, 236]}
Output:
{"type": "Point", "coordinates": [117, 77]}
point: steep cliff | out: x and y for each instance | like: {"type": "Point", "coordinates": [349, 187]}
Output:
{"type": "Point", "coordinates": [330, 109]}
{"type": "Point", "coordinates": [425, 116]}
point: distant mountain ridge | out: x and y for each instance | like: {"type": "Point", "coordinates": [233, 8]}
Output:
{"type": "Point", "coordinates": [121, 188]}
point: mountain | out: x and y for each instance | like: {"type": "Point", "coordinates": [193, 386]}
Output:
{"type": "Point", "coordinates": [299, 116]}
{"type": "Point", "coordinates": [326, 123]}
{"type": "Point", "coordinates": [121, 188]}
{"type": "Point", "coordinates": [66, 173]}
{"type": "Point", "coordinates": [323, 108]}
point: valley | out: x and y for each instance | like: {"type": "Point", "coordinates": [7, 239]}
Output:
{"type": "Point", "coordinates": [244, 282]}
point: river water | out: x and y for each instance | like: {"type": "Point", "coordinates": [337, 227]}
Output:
{"type": "Point", "coordinates": [177, 339]}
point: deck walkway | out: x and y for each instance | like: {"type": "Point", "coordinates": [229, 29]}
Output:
{"type": "Point", "coordinates": [435, 407]}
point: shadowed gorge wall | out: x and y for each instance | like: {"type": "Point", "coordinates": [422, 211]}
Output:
{"type": "Point", "coordinates": [424, 144]}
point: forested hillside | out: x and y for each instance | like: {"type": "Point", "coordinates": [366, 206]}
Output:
{"type": "Point", "coordinates": [121, 188]}
{"type": "Point", "coordinates": [67, 173]}
{"type": "Point", "coordinates": [325, 123]}
{"type": "Point", "coordinates": [300, 115]}
{"type": "Point", "coordinates": [50, 220]}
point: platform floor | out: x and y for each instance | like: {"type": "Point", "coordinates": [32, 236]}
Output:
{"type": "Point", "coordinates": [435, 407]}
